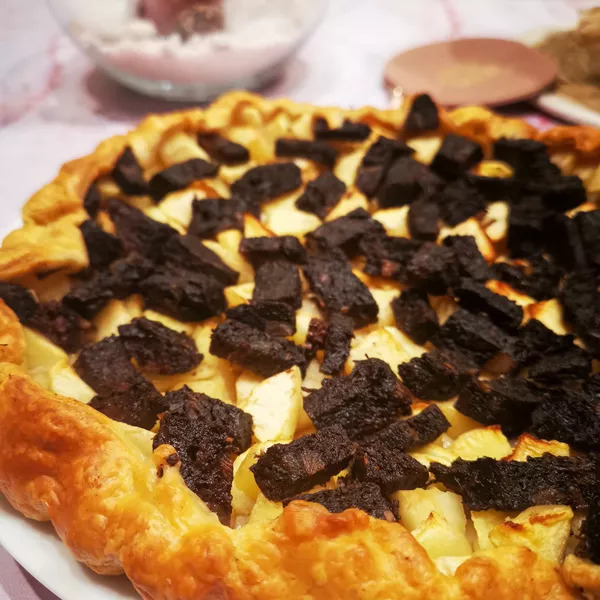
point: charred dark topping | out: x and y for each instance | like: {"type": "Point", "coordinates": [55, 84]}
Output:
{"type": "Point", "coordinates": [285, 470]}
{"type": "Point", "coordinates": [476, 298]}
{"type": "Point", "coordinates": [258, 250]}
{"type": "Point", "coordinates": [456, 155]}
{"type": "Point", "coordinates": [527, 157]}
{"type": "Point", "coordinates": [274, 318]}
{"type": "Point", "coordinates": [432, 269]}
{"type": "Point", "coordinates": [590, 546]}
{"type": "Point", "coordinates": [368, 399]}
{"type": "Point", "coordinates": [538, 278]}
{"type": "Point", "coordinates": [407, 180]}
{"type": "Point", "coordinates": [339, 290]}
{"type": "Point", "coordinates": [254, 349]}
{"type": "Point", "coordinates": [315, 337]}
{"type": "Point", "coordinates": [588, 223]}
{"type": "Point", "coordinates": [423, 116]}
{"type": "Point", "coordinates": [563, 242]}
{"type": "Point", "coordinates": [266, 182]}
{"type": "Point", "coordinates": [179, 176]}
{"type": "Point", "coordinates": [137, 232]}
{"type": "Point", "coordinates": [223, 150]}
{"type": "Point", "coordinates": [102, 247]}
{"type": "Point", "coordinates": [347, 132]}
{"type": "Point", "coordinates": [207, 435]}
{"type": "Point", "coordinates": [460, 200]}
{"type": "Point", "coordinates": [414, 315]}
{"type": "Point", "coordinates": [436, 375]}
{"type": "Point", "coordinates": [507, 401]}
{"type": "Point", "coordinates": [559, 192]}
{"type": "Point", "coordinates": [278, 281]}
{"type": "Point", "coordinates": [468, 259]}
{"type": "Point", "coordinates": [88, 297]}
{"type": "Point", "coordinates": [189, 253]}
{"type": "Point", "coordinates": [534, 340]}
{"type": "Point", "coordinates": [388, 256]}
{"type": "Point", "coordinates": [321, 194]}
{"type": "Point", "coordinates": [213, 215]}
{"type": "Point", "coordinates": [61, 325]}
{"type": "Point", "coordinates": [569, 416]}
{"type": "Point", "coordinates": [427, 426]}
{"type": "Point", "coordinates": [19, 299]}
{"type": "Point", "coordinates": [128, 174]}
{"type": "Point", "coordinates": [364, 496]}
{"type": "Point", "coordinates": [340, 332]}
{"type": "Point", "coordinates": [317, 151]}
{"type": "Point", "coordinates": [475, 336]}
{"type": "Point", "coordinates": [591, 386]}
{"type": "Point", "coordinates": [344, 232]}
{"type": "Point", "coordinates": [513, 485]}
{"type": "Point", "coordinates": [377, 161]}
{"type": "Point", "coordinates": [92, 200]}
{"type": "Point", "coordinates": [423, 218]}
{"type": "Point", "coordinates": [527, 225]}
{"type": "Point", "coordinates": [157, 348]}
{"type": "Point", "coordinates": [125, 275]}
{"type": "Point", "coordinates": [185, 295]}
{"type": "Point", "coordinates": [495, 189]}
{"type": "Point", "coordinates": [573, 363]}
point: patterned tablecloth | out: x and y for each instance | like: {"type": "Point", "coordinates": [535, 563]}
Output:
{"type": "Point", "coordinates": [54, 106]}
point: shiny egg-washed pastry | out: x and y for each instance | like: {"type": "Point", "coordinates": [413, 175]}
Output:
{"type": "Point", "coordinates": [200, 356]}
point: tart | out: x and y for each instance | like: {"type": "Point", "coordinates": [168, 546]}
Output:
{"type": "Point", "coordinates": [268, 350]}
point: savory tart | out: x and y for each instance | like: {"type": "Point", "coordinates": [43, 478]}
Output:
{"type": "Point", "coordinates": [268, 350]}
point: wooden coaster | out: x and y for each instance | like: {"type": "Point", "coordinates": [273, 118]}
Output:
{"type": "Point", "coordinates": [485, 71]}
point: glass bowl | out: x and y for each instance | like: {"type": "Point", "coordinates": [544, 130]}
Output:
{"type": "Point", "coordinates": [132, 42]}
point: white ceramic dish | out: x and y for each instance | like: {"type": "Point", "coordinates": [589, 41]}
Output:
{"type": "Point", "coordinates": [555, 104]}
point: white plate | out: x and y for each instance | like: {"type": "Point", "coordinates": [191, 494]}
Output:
{"type": "Point", "coordinates": [37, 548]}
{"type": "Point", "coordinates": [555, 104]}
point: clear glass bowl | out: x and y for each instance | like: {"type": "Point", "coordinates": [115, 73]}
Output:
{"type": "Point", "coordinates": [258, 38]}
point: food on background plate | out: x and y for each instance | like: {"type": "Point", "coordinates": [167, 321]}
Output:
{"type": "Point", "coordinates": [268, 350]}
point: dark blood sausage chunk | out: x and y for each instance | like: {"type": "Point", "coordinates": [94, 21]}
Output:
{"type": "Point", "coordinates": [569, 416]}
{"type": "Point", "coordinates": [525, 156]}
{"type": "Point", "coordinates": [317, 151]}
{"type": "Point", "coordinates": [527, 226]}
{"type": "Point", "coordinates": [61, 325]}
{"type": "Point", "coordinates": [364, 496]}
{"type": "Point", "coordinates": [223, 150]}
{"type": "Point", "coordinates": [102, 247]}
{"type": "Point", "coordinates": [184, 295]}
{"type": "Point", "coordinates": [423, 218]}
{"type": "Point", "coordinates": [414, 315]}
{"type": "Point", "coordinates": [368, 399]}
{"type": "Point", "coordinates": [495, 189]}
{"type": "Point", "coordinates": [179, 176]}
{"type": "Point", "coordinates": [321, 194]}
{"type": "Point", "coordinates": [213, 215]}
{"type": "Point", "coordinates": [376, 162]}
{"type": "Point", "coordinates": [468, 259]}
{"type": "Point", "coordinates": [507, 401]}
{"type": "Point", "coordinates": [588, 223]}
{"type": "Point", "coordinates": [476, 298]}
{"type": "Point", "coordinates": [563, 242]}
{"type": "Point", "coordinates": [534, 340]}
{"type": "Point", "coordinates": [591, 386]}
{"type": "Point", "coordinates": [432, 268]}
{"type": "Point", "coordinates": [159, 349]}
{"type": "Point", "coordinates": [388, 256]}
{"type": "Point", "coordinates": [514, 485]}
{"type": "Point", "coordinates": [552, 369]}
{"type": "Point", "coordinates": [89, 296]}
{"type": "Point", "coordinates": [137, 232]}
{"type": "Point", "coordinates": [344, 232]}
{"type": "Point", "coordinates": [423, 116]}
{"type": "Point", "coordinates": [92, 200]}
{"type": "Point", "coordinates": [427, 426]}
{"type": "Point", "coordinates": [337, 344]}
{"type": "Point", "coordinates": [459, 200]}
{"type": "Point", "coordinates": [407, 180]}
{"type": "Point", "coordinates": [475, 336]}
{"type": "Point", "coordinates": [255, 349]}
{"type": "Point", "coordinates": [258, 250]}
{"type": "Point", "coordinates": [19, 299]}
{"type": "Point", "coordinates": [274, 318]}
{"type": "Point", "coordinates": [436, 375]}
{"type": "Point", "coordinates": [315, 337]}
{"type": "Point", "coordinates": [285, 470]}
{"type": "Point", "coordinates": [456, 155]}
{"type": "Point", "coordinates": [126, 274]}
{"type": "Point", "coordinates": [560, 192]}
{"type": "Point", "coordinates": [128, 174]}
{"type": "Point", "coordinates": [207, 435]}
{"type": "Point", "coordinates": [590, 546]}
{"type": "Point", "coordinates": [347, 132]}
{"type": "Point", "coordinates": [266, 182]}
{"type": "Point", "coordinates": [339, 290]}
{"type": "Point", "coordinates": [390, 470]}
{"type": "Point", "coordinates": [189, 253]}
{"type": "Point", "coordinates": [278, 281]}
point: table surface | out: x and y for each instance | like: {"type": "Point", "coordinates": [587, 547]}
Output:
{"type": "Point", "coordinates": [54, 106]}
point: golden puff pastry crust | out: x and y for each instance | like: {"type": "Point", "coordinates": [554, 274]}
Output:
{"type": "Point", "coordinates": [120, 507]}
